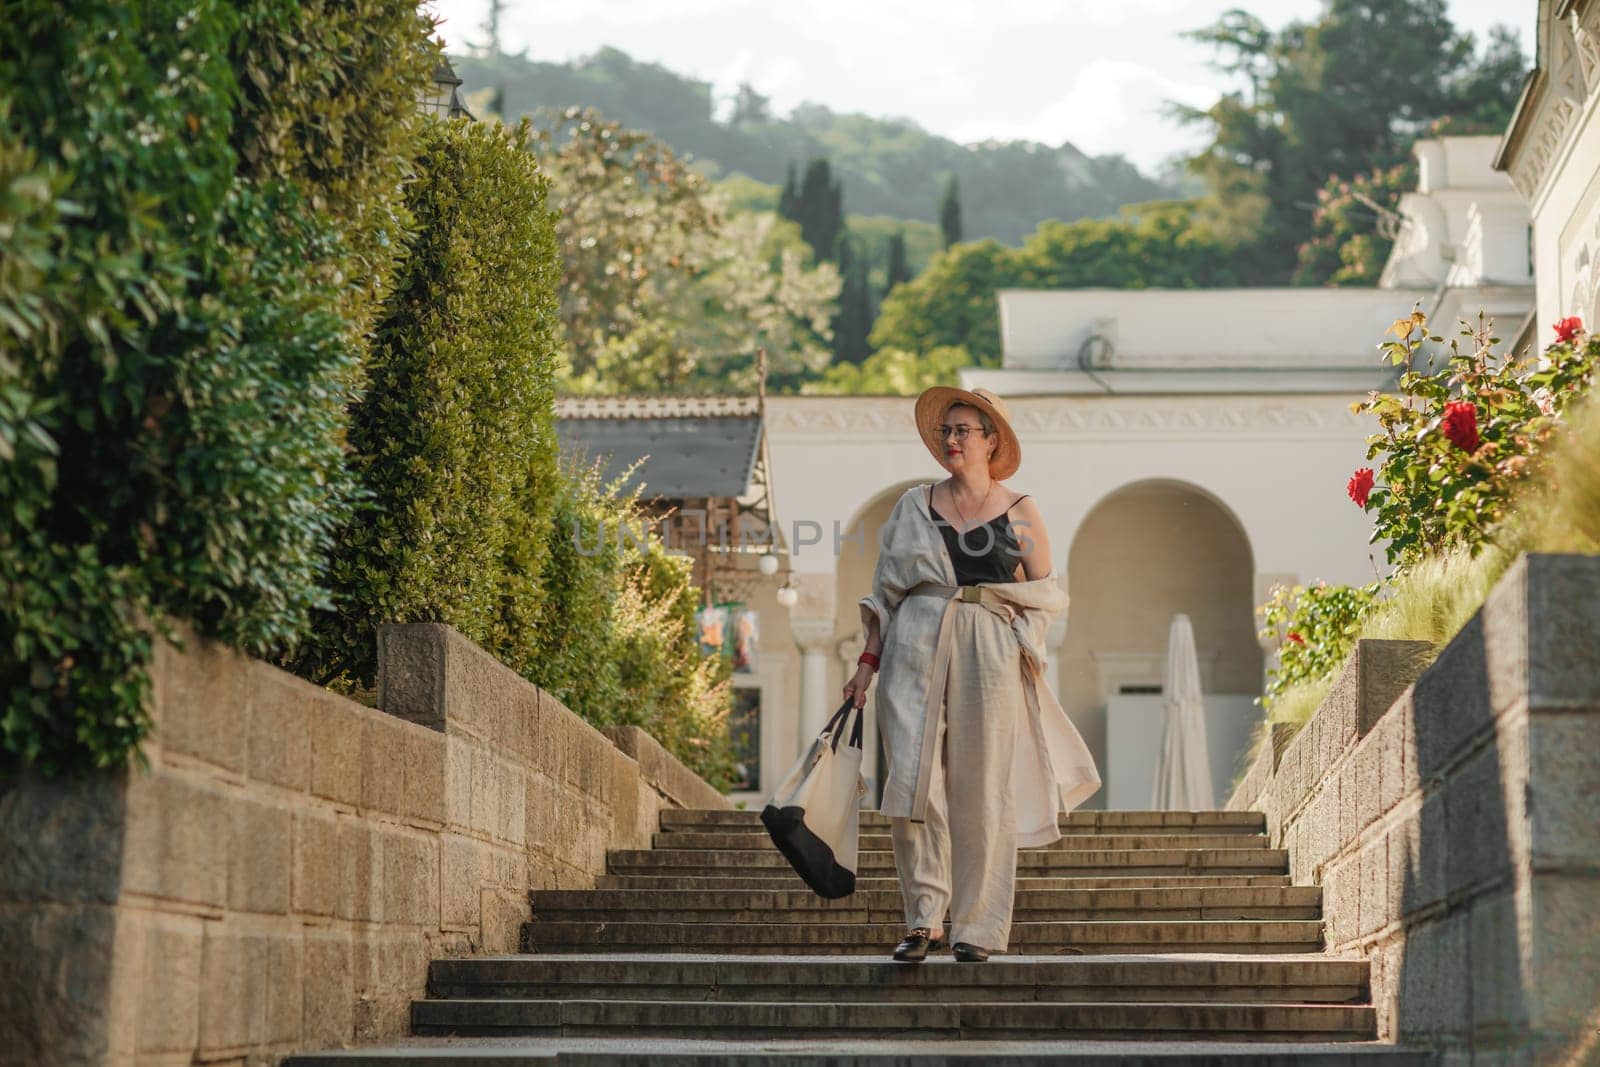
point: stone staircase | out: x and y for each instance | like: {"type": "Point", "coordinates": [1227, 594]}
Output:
{"type": "Point", "coordinates": [1147, 930]}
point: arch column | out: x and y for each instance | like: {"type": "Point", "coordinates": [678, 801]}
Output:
{"type": "Point", "coordinates": [1054, 639]}
{"type": "Point", "coordinates": [814, 635]}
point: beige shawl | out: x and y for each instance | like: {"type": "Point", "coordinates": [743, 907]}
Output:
{"type": "Point", "coordinates": [1052, 770]}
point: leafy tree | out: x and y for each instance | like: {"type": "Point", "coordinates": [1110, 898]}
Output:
{"type": "Point", "coordinates": [750, 106]}
{"type": "Point", "coordinates": [819, 209]}
{"type": "Point", "coordinates": [950, 212]}
{"type": "Point", "coordinates": [952, 302]}
{"type": "Point", "coordinates": [1343, 95]}
{"type": "Point", "coordinates": [789, 199]}
{"type": "Point", "coordinates": [454, 437]}
{"type": "Point", "coordinates": [897, 271]}
{"type": "Point", "coordinates": [662, 287]}
{"type": "Point", "coordinates": [892, 167]}
{"type": "Point", "coordinates": [854, 320]}
{"type": "Point", "coordinates": [893, 372]}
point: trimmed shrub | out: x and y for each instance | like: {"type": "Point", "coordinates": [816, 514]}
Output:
{"type": "Point", "coordinates": [616, 640]}
{"type": "Point", "coordinates": [454, 440]}
{"type": "Point", "coordinates": [173, 364]}
{"type": "Point", "coordinates": [326, 103]}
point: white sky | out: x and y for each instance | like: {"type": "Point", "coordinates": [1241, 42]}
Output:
{"type": "Point", "coordinates": [1093, 72]}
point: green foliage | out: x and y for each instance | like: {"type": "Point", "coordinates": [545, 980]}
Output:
{"type": "Point", "coordinates": [663, 289]}
{"type": "Point", "coordinates": [953, 301]}
{"type": "Point", "coordinates": [950, 212]}
{"type": "Point", "coordinates": [174, 367]}
{"type": "Point", "coordinates": [818, 206]}
{"type": "Point", "coordinates": [1552, 504]}
{"type": "Point", "coordinates": [1347, 244]}
{"type": "Point", "coordinates": [1463, 439]}
{"type": "Point", "coordinates": [891, 167]}
{"type": "Point", "coordinates": [892, 372]}
{"type": "Point", "coordinates": [327, 92]}
{"type": "Point", "coordinates": [854, 321]}
{"type": "Point", "coordinates": [454, 440]}
{"type": "Point", "coordinates": [1316, 627]}
{"type": "Point", "coordinates": [897, 270]}
{"type": "Point", "coordinates": [616, 639]}
{"type": "Point", "coordinates": [1345, 94]}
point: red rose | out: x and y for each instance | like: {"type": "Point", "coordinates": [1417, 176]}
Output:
{"type": "Point", "coordinates": [1296, 638]}
{"type": "Point", "coordinates": [1460, 425]}
{"type": "Point", "coordinates": [1568, 328]}
{"type": "Point", "coordinates": [1360, 485]}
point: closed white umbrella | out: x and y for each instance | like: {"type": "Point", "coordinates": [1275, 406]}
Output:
{"type": "Point", "coordinates": [1183, 775]}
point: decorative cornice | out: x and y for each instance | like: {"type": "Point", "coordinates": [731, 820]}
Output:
{"type": "Point", "coordinates": [654, 407]}
{"type": "Point", "coordinates": [1074, 416]}
{"type": "Point", "coordinates": [1551, 98]}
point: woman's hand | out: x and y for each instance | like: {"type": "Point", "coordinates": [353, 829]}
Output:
{"type": "Point", "coordinates": [856, 688]}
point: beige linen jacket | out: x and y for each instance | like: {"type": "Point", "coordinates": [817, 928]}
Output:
{"type": "Point", "coordinates": [1052, 769]}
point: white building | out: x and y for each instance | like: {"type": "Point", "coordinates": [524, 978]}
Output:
{"type": "Point", "coordinates": [1551, 151]}
{"type": "Point", "coordinates": [1187, 448]}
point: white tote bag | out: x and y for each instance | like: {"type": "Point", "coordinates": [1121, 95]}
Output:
{"type": "Point", "coordinates": [814, 816]}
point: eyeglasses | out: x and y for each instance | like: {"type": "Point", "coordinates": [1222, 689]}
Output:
{"type": "Point", "coordinates": [960, 432]}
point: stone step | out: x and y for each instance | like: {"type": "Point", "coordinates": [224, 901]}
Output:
{"type": "Point", "coordinates": [1112, 862]}
{"type": "Point", "coordinates": [1292, 979]}
{"type": "Point", "coordinates": [1032, 938]}
{"type": "Point", "coordinates": [922, 1021]}
{"type": "Point", "coordinates": [1248, 822]}
{"type": "Point", "coordinates": [859, 1052]}
{"type": "Point", "coordinates": [803, 906]}
{"type": "Point", "coordinates": [776, 879]}
{"type": "Point", "coordinates": [759, 841]}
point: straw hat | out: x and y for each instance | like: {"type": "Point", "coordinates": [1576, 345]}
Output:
{"type": "Point", "coordinates": [931, 406]}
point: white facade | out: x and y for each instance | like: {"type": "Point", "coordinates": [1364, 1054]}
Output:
{"type": "Point", "coordinates": [1552, 154]}
{"type": "Point", "coordinates": [1187, 449]}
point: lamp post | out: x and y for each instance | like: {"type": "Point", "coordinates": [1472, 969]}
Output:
{"type": "Point", "coordinates": [445, 100]}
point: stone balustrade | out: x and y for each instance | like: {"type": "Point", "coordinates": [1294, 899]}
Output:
{"type": "Point", "coordinates": [283, 871]}
{"type": "Point", "coordinates": [1451, 813]}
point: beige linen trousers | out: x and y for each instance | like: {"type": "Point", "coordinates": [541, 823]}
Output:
{"type": "Point", "coordinates": [981, 757]}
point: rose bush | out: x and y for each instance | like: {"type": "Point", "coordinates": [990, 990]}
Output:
{"type": "Point", "coordinates": [1458, 440]}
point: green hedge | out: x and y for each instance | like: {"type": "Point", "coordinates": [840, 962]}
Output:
{"type": "Point", "coordinates": [616, 639]}
{"type": "Point", "coordinates": [454, 440]}
{"type": "Point", "coordinates": [174, 361]}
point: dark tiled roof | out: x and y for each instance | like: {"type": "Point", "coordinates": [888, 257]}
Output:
{"type": "Point", "coordinates": [689, 455]}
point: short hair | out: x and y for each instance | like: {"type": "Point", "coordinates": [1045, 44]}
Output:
{"type": "Point", "coordinates": [983, 416]}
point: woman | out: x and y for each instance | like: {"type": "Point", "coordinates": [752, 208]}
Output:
{"type": "Point", "coordinates": [981, 758]}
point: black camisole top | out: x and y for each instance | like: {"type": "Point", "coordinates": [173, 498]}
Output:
{"type": "Point", "coordinates": [989, 552]}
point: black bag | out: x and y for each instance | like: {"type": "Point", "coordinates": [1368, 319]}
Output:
{"type": "Point", "coordinates": [814, 816]}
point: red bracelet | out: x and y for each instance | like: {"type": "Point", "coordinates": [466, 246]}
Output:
{"type": "Point", "coordinates": [868, 657]}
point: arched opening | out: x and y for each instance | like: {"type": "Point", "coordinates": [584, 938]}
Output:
{"type": "Point", "coordinates": [1144, 553]}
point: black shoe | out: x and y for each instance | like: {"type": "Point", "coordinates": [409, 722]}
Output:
{"type": "Point", "coordinates": [914, 949]}
{"type": "Point", "coordinates": [969, 953]}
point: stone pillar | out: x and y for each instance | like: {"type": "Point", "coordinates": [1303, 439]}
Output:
{"type": "Point", "coordinates": [1055, 639]}
{"type": "Point", "coordinates": [814, 636]}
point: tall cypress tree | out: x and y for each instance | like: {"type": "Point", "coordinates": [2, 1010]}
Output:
{"type": "Point", "coordinates": [950, 213]}
{"type": "Point", "coordinates": [789, 199]}
{"type": "Point", "coordinates": [821, 210]}
{"type": "Point", "coordinates": [897, 270]}
{"type": "Point", "coordinates": [854, 321]}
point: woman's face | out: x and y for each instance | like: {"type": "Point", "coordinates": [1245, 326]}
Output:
{"type": "Point", "coordinates": [966, 449]}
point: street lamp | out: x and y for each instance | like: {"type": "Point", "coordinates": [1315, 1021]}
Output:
{"type": "Point", "coordinates": [445, 101]}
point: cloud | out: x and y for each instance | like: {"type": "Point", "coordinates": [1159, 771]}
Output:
{"type": "Point", "coordinates": [1113, 105]}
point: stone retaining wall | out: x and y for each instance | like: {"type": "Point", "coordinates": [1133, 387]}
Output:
{"type": "Point", "coordinates": [283, 872]}
{"type": "Point", "coordinates": [1452, 816]}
